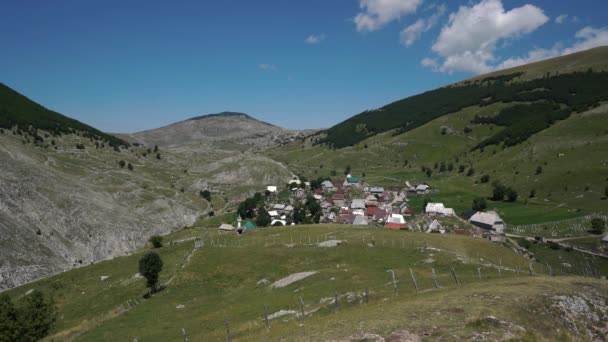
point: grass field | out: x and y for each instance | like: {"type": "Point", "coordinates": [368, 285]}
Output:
{"type": "Point", "coordinates": [220, 281]}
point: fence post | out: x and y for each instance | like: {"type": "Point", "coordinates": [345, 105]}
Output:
{"type": "Point", "coordinates": [414, 280]}
{"type": "Point", "coordinates": [435, 278]}
{"type": "Point", "coordinates": [302, 306]}
{"type": "Point", "coordinates": [184, 335]}
{"type": "Point", "coordinates": [227, 324]}
{"type": "Point", "coordinates": [336, 304]}
{"type": "Point", "coordinates": [266, 316]}
{"type": "Point", "coordinates": [366, 296]}
{"type": "Point", "coordinates": [500, 268]}
{"type": "Point", "coordinates": [394, 282]}
{"type": "Point", "coordinates": [479, 272]}
{"type": "Point", "coordinates": [530, 268]}
{"type": "Point", "coordinates": [455, 277]}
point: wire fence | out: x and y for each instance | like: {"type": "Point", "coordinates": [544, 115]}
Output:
{"type": "Point", "coordinates": [396, 283]}
{"type": "Point", "coordinates": [562, 228]}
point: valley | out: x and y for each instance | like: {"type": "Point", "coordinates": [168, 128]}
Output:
{"type": "Point", "coordinates": [390, 191]}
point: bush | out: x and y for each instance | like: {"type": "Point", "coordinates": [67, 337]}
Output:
{"type": "Point", "coordinates": [156, 241]}
{"type": "Point", "coordinates": [130, 167]}
{"type": "Point", "coordinates": [598, 226]}
{"type": "Point", "coordinates": [470, 172]}
{"type": "Point", "coordinates": [122, 163]}
{"type": "Point", "coordinates": [31, 321]}
{"type": "Point", "coordinates": [206, 194]}
{"type": "Point", "coordinates": [479, 204]}
{"type": "Point", "coordinates": [150, 266]}
{"type": "Point", "coordinates": [539, 170]}
{"type": "Point", "coordinates": [532, 193]}
{"type": "Point", "coordinates": [511, 195]}
{"type": "Point", "coordinates": [211, 213]}
{"type": "Point", "coordinates": [485, 178]}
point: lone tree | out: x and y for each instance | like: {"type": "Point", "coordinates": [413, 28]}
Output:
{"type": "Point", "coordinates": [539, 170]}
{"type": "Point", "coordinates": [150, 266]}
{"type": "Point", "coordinates": [156, 241]}
{"type": "Point", "coordinates": [263, 219]}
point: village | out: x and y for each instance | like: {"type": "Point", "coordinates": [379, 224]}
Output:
{"type": "Point", "coordinates": [357, 203]}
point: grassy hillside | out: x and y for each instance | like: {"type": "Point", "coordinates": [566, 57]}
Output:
{"type": "Point", "coordinates": [572, 154]}
{"type": "Point", "coordinates": [570, 92]}
{"type": "Point", "coordinates": [17, 110]}
{"type": "Point", "coordinates": [221, 281]}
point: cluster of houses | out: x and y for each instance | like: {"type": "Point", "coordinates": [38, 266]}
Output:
{"type": "Point", "coordinates": [357, 203]}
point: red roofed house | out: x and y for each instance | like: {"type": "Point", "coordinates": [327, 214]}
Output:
{"type": "Point", "coordinates": [396, 226]}
{"type": "Point", "coordinates": [380, 214]}
{"type": "Point", "coordinates": [371, 211]}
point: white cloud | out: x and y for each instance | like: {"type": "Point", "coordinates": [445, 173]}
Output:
{"type": "Point", "coordinates": [377, 13]}
{"type": "Point", "coordinates": [315, 39]}
{"type": "Point", "coordinates": [469, 40]}
{"type": "Point", "coordinates": [586, 38]}
{"type": "Point", "coordinates": [561, 19]}
{"type": "Point", "coordinates": [267, 67]}
{"type": "Point", "coordinates": [429, 62]}
{"type": "Point", "coordinates": [411, 33]}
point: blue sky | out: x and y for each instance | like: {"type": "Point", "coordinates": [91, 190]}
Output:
{"type": "Point", "coordinates": [125, 66]}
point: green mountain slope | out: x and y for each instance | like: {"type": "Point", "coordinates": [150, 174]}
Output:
{"type": "Point", "coordinates": [576, 90]}
{"type": "Point", "coordinates": [229, 279]}
{"type": "Point", "coordinates": [18, 110]}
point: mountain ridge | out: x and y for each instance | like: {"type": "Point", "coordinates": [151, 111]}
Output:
{"type": "Point", "coordinates": [233, 127]}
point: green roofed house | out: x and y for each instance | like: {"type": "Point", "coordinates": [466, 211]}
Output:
{"type": "Point", "coordinates": [351, 180]}
{"type": "Point", "coordinates": [249, 225]}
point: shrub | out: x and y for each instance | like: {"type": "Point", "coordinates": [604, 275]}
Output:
{"type": "Point", "coordinates": [532, 193]}
{"type": "Point", "coordinates": [470, 172]}
{"type": "Point", "coordinates": [511, 195]}
{"type": "Point", "coordinates": [150, 266]}
{"type": "Point", "coordinates": [479, 204]}
{"type": "Point", "coordinates": [206, 194]}
{"type": "Point", "coordinates": [31, 321]}
{"type": "Point", "coordinates": [121, 163]}
{"type": "Point", "coordinates": [598, 226]}
{"type": "Point", "coordinates": [130, 167]}
{"type": "Point", "coordinates": [539, 170]}
{"type": "Point", "coordinates": [485, 178]}
{"type": "Point", "coordinates": [156, 241]}
{"type": "Point", "coordinates": [498, 193]}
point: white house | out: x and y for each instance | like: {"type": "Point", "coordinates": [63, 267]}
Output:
{"type": "Point", "coordinates": [490, 221]}
{"type": "Point", "coordinates": [435, 209]}
{"type": "Point", "coordinates": [226, 227]}
{"type": "Point", "coordinates": [327, 185]}
{"type": "Point", "coordinates": [436, 226]}
{"type": "Point", "coordinates": [422, 188]}
{"type": "Point", "coordinates": [357, 204]}
{"type": "Point", "coordinates": [273, 213]}
{"type": "Point", "coordinates": [396, 218]}
{"type": "Point", "coordinates": [282, 222]}
{"type": "Point", "coordinates": [271, 188]}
